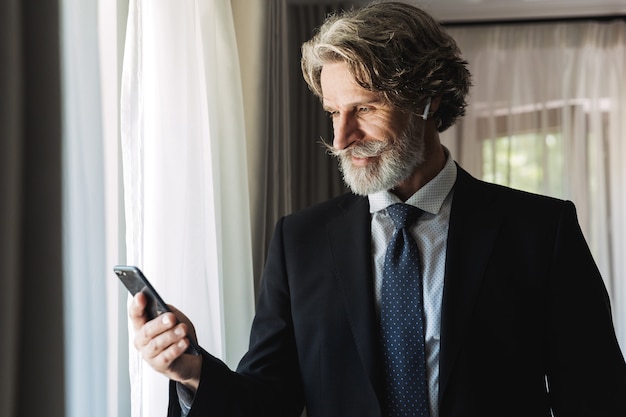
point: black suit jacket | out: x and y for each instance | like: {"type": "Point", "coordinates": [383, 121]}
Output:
{"type": "Point", "coordinates": [526, 324]}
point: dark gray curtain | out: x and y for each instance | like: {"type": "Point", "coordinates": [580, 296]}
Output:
{"type": "Point", "coordinates": [274, 173]}
{"type": "Point", "coordinates": [315, 174]}
{"type": "Point", "coordinates": [297, 172]}
{"type": "Point", "coordinates": [31, 308]}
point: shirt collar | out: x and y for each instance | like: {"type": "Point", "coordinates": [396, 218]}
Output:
{"type": "Point", "coordinates": [429, 198]}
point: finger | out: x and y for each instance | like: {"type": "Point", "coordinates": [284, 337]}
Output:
{"type": "Point", "coordinates": [165, 360]}
{"type": "Point", "coordinates": [154, 328]}
{"type": "Point", "coordinates": [137, 310]}
{"type": "Point", "coordinates": [179, 314]}
{"type": "Point", "coordinates": [182, 318]}
{"type": "Point", "coordinates": [156, 345]}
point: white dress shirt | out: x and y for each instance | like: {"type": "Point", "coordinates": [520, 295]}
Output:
{"type": "Point", "coordinates": [431, 234]}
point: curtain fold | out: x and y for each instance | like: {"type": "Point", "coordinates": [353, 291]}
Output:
{"type": "Point", "coordinates": [295, 171]}
{"type": "Point", "coordinates": [275, 166]}
{"type": "Point", "coordinates": [566, 78]}
{"type": "Point", "coordinates": [31, 298]}
{"type": "Point", "coordinates": [84, 271]}
{"type": "Point", "coordinates": [185, 181]}
{"type": "Point", "coordinates": [11, 182]}
{"type": "Point", "coordinates": [315, 174]}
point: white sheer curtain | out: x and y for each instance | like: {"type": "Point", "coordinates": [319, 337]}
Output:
{"type": "Point", "coordinates": [567, 78]}
{"type": "Point", "coordinates": [84, 271]}
{"type": "Point", "coordinates": [185, 179]}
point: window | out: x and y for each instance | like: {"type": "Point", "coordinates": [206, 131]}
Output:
{"type": "Point", "coordinates": [530, 161]}
{"type": "Point", "coordinates": [529, 150]}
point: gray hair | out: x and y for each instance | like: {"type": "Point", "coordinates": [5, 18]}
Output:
{"type": "Point", "coordinates": [394, 49]}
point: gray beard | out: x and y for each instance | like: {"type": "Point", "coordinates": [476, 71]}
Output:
{"type": "Point", "coordinates": [394, 160]}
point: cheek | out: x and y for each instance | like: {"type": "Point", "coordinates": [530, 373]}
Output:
{"type": "Point", "coordinates": [385, 128]}
{"type": "Point", "coordinates": [376, 131]}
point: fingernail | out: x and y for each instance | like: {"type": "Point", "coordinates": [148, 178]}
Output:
{"type": "Point", "coordinates": [166, 320]}
{"type": "Point", "coordinates": [182, 343]}
{"type": "Point", "coordinates": [179, 331]}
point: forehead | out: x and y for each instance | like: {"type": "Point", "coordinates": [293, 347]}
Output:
{"type": "Point", "coordinates": [339, 87]}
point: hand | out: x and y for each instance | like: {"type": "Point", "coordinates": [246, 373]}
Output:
{"type": "Point", "coordinates": [163, 341]}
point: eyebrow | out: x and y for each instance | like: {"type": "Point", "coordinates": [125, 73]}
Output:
{"type": "Point", "coordinates": [374, 102]}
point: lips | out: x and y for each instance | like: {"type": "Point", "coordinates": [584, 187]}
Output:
{"type": "Point", "coordinates": [359, 161]}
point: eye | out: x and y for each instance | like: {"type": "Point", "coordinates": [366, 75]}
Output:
{"type": "Point", "coordinates": [364, 109]}
{"type": "Point", "coordinates": [332, 113]}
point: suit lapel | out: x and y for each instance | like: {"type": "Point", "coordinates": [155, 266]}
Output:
{"type": "Point", "coordinates": [350, 244]}
{"type": "Point", "coordinates": [474, 224]}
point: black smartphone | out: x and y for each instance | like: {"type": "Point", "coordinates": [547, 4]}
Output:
{"type": "Point", "coordinates": [135, 281]}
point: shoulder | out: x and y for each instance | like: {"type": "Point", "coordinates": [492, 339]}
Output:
{"type": "Point", "coordinates": [312, 224]}
{"type": "Point", "coordinates": [307, 234]}
{"type": "Point", "coordinates": [470, 190]}
{"type": "Point", "coordinates": [338, 207]}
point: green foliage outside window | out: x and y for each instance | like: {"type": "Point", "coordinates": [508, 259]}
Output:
{"type": "Point", "coordinates": [530, 162]}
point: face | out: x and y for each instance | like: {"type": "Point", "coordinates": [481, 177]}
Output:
{"type": "Point", "coordinates": [378, 146]}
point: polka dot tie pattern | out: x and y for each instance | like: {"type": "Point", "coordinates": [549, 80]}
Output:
{"type": "Point", "coordinates": [402, 320]}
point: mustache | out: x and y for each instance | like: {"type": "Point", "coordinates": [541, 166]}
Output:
{"type": "Point", "coordinates": [362, 149]}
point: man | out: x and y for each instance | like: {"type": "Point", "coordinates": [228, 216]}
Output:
{"type": "Point", "coordinates": [500, 306]}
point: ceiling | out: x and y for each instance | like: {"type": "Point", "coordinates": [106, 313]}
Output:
{"type": "Point", "coordinates": [498, 10]}
{"type": "Point", "coordinates": [477, 10]}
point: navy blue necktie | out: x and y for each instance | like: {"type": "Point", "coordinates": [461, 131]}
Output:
{"type": "Point", "coordinates": [402, 320]}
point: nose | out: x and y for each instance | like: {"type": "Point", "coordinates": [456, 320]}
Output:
{"type": "Point", "coordinates": [345, 130]}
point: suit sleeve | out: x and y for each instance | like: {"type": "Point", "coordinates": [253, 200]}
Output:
{"type": "Point", "coordinates": [267, 381]}
{"type": "Point", "coordinates": [586, 370]}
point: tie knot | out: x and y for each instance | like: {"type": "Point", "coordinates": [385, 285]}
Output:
{"type": "Point", "coordinates": [403, 215]}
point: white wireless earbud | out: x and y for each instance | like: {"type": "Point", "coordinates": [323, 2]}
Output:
{"type": "Point", "coordinates": [426, 110]}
